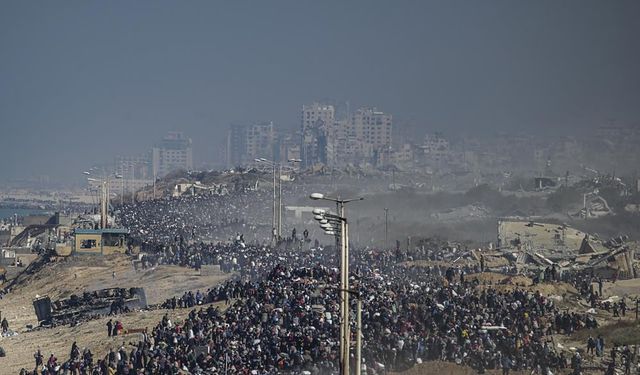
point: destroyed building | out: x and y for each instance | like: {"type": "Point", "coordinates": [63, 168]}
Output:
{"type": "Point", "coordinates": [532, 245]}
{"type": "Point", "coordinates": [88, 305]}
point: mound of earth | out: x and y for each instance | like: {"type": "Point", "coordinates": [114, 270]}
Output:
{"type": "Point", "coordinates": [492, 278]}
{"type": "Point", "coordinates": [448, 368]}
{"type": "Point", "coordinates": [74, 275]}
{"type": "Point", "coordinates": [509, 282]}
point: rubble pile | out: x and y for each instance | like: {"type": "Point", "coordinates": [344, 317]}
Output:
{"type": "Point", "coordinates": [532, 247]}
{"type": "Point", "coordinates": [90, 305]}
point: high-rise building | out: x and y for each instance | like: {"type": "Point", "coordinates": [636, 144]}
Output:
{"type": "Point", "coordinates": [246, 143]}
{"type": "Point", "coordinates": [135, 173]}
{"type": "Point", "coordinates": [316, 123]}
{"type": "Point", "coordinates": [172, 153]}
{"type": "Point", "coordinates": [372, 127]}
{"type": "Point", "coordinates": [236, 145]}
{"type": "Point", "coordinates": [139, 166]}
{"type": "Point", "coordinates": [288, 146]}
{"type": "Point", "coordinates": [261, 141]}
{"type": "Point", "coordinates": [361, 138]}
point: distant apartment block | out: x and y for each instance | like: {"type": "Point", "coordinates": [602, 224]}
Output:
{"type": "Point", "coordinates": [261, 141]}
{"type": "Point", "coordinates": [236, 146]}
{"type": "Point", "coordinates": [246, 143]}
{"type": "Point", "coordinates": [372, 127]}
{"type": "Point", "coordinates": [173, 152]}
{"type": "Point", "coordinates": [435, 149]}
{"type": "Point", "coordinates": [139, 166]}
{"type": "Point", "coordinates": [363, 137]}
{"type": "Point", "coordinates": [135, 172]}
{"type": "Point", "coordinates": [316, 123]}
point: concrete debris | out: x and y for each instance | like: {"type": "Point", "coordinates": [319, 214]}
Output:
{"type": "Point", "coordinates": [531, 246]}
{"type": "Point", "coordinates": [9, 333]}
{"type": "Point", "coordinates": [88, 306]}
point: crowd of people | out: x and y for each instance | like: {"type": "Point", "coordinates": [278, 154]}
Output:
{"type": "Point", "coordinates": [280, 311]}
{"type": "Point", "coordinates": [208, 217]}
{"type": "Point", "coordinates": [280, 315]}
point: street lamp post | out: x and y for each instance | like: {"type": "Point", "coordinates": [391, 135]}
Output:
{"type": "Point", "coordinates": [104, 196]}
{"type": "Point", "coordinates": [359, 337]}
{"type": "Point", "coordinates": [358, 297]}
{"type": "Point", "coordinates": [345, 331]}
{"type": "Point", "coordinates": [276, 220]}
{"type": "Point", "coordinates": [122, 192]}
{"type": "Point", "coordinates": [133, 184]}
{"type": "Point", "coordinates": [386, 227]}
{"type": "Point", "coordinates": [274, 231]}
{"type": "Point", "coordinates": [154, 182]}
{"type": "Point", "coordinates": [279, 202]}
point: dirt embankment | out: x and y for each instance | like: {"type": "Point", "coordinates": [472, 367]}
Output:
{"type": "Point", "coordinates": [448, 368]}
{"type": "Point", "coordinates": [75, 275]}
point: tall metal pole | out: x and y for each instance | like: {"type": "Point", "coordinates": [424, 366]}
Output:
{"type": "Point", "coordinates": [345, 327]}
{"type": "Point", "coordinates": [122, 191]}
{"type": "Point", "coordinates": [133, 185]}
{"type": "Point", "coordinates": [386, 227]}
{"type": "Point", "coordinates": [359, 337]}
{"type": "Point", "coordinates": [347, 332]}
{"type": "Point", "coordinates": [105, 202]}
{"type": "Point", "coordinates": [340, 210]}
{"type": "Point", "coordinates": [153, 168]}
{"type": "Point", "coordinates": [108, 201]}
{"type": "Point", "coordinates": [101, 204]}
{"type": "Point", "coordinates": [279, 201]}
{"type": "Point", "coordinates": [273, 219]}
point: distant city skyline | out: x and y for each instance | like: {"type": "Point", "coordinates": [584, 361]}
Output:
{"type": "Point", "coordinates": [81, 82]}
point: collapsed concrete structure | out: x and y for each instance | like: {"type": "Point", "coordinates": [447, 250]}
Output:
{"type": "Point", "coordinates": [532, 245]}
{"type": "Point", "coordinates": [89, 305]}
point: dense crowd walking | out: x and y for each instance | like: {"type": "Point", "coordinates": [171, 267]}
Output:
{"type": "Point", "coordinates": [279, 313]}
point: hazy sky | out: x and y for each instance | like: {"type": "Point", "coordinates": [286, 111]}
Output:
{"type": "Point", "coordinates": [82, 81]}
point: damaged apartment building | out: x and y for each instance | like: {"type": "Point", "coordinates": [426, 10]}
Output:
{"type": "Point", "coordinates": [532, 245]}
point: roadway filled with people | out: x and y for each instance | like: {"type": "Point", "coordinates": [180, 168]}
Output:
{"type": "Point", "coordinates": [287, 320]}
{"type": "Point", "coordinates": [279, 312]}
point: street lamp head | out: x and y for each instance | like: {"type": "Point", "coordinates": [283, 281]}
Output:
{"type": "Point", "coordinates": [329, 233]}
{"type": "Point", "coordinates": [263, 159]}
{"type": "Point", "coordinates": [92, 179]}
{"type": "Point", "coordinates": [323, 221]}
{"type": "Point", "coordinates": [318, 211]}
{"type": "Point", "coordinates": [86, 173]}
{"type": "Point", "coordinates": [118, 176]}
{"type": "Point", "coordinates": [257, 160]}
{"type": "Point", "coordinates": [316, 196]}
{"type": "Point", "coordinates": [318, 217]}
{"type": "Point", "coordinates": [295, 160]}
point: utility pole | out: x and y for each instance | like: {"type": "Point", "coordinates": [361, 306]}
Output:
{"type": "Point", "coordinates": [393, 178]}
{"type": "Point", "coordinates": [274, 240]}
{"type": "Point", "coordinates": [386, 227]}
{"type": "Point", "coordinates": [359, 337]}
{"type": "Point", "coordinates": [345, 294]}
{"type": "Point", "coordinates": [279, 202]}
{"type": "Point", "coordinates": [105, 204]}
{"type": "Point", "coordinates": [122, 190]}
{"type": "Point", "coordinates": [343, 234]}
{"type": "Point", "coordinates": [133, 183]}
